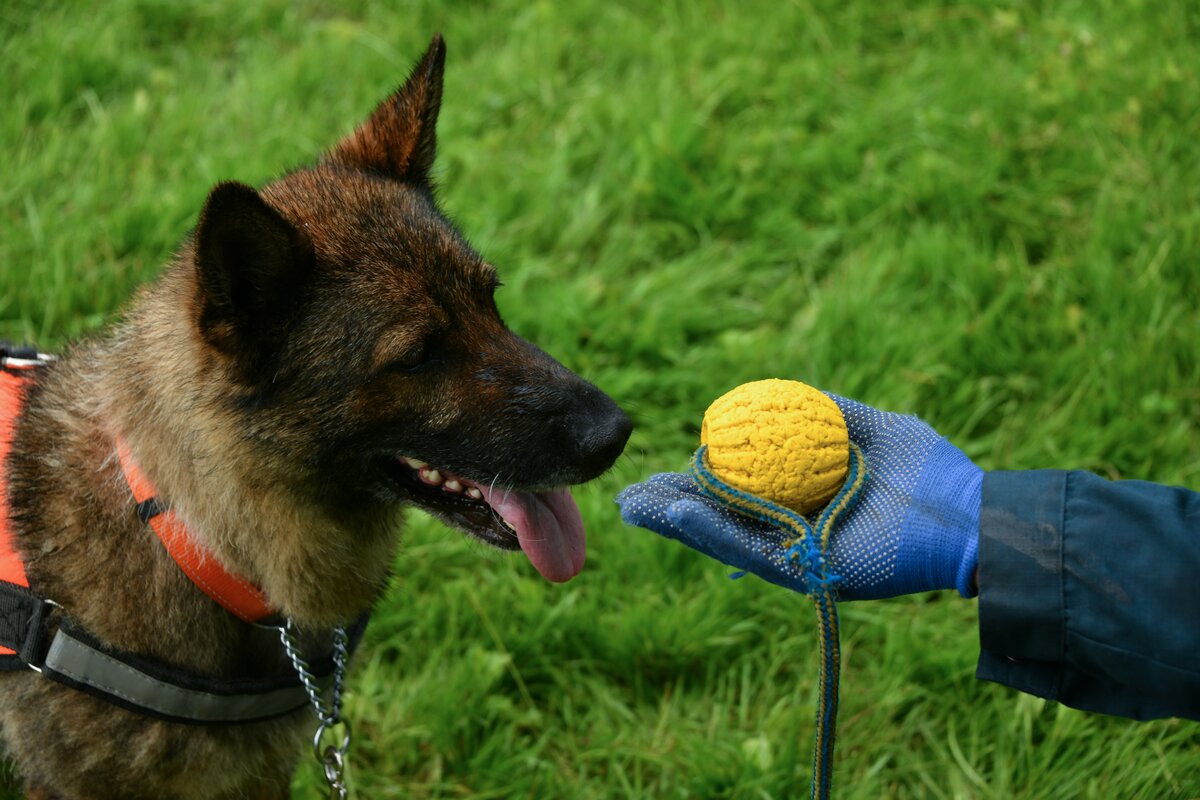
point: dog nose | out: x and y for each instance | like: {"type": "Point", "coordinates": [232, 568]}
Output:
{"type": "Point", "coordinates": [602, 432]}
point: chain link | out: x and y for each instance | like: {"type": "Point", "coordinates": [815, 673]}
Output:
{"type": "Point", "coordinates": [331, 757]}
{"type": "Point", "coordinates": [334, 763]}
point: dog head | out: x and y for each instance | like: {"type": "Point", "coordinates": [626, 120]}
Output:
{"type": "Point", "coordinates": [360, 330]}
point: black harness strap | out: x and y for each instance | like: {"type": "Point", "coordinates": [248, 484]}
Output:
{"type": "Point", "coordinates": [22, 626]}
{"type": "Point", "coordinates": [76, 658]}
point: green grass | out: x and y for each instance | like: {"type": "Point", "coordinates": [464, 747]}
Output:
{"type": "Point", "coordinates": [987, 214]}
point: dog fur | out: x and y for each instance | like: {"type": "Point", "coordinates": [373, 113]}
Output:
{"type": "Point", "coordinates": [302, 338]}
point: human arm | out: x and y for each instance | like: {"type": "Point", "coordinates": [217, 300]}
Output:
{"type": "Point", "coordinates": [1089, 592]}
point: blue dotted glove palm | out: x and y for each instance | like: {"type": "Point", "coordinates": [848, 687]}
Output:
{"type": "Point", "coordinates": [914, 527]}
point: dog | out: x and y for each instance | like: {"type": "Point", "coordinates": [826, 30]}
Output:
{"type": "Point", "coordinates": [318, 355]}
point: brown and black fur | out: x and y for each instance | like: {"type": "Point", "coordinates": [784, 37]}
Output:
{"type": "Point", "coordinates": [303, 336]}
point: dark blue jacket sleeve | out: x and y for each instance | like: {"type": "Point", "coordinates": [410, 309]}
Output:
{"type": "Point", "coordinates": [1089, 592]}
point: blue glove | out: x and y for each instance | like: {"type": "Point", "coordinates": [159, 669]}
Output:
{"type": "Point", "coordinates": [913, 528]}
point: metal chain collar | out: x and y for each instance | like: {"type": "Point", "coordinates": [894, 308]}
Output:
{"type": "Point", "coordinates": [331, 755]}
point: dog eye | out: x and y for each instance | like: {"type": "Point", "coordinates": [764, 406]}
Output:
{"type": "Point", "coordinates": [412, 363]}
{"type": "Point", "coordinates": [417, 359]}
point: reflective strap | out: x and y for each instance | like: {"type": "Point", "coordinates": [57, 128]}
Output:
{"type": "Point", "coordinates": [84, 667]}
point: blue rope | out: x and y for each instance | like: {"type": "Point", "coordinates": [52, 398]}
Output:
{"type": "Point", "coordinates": [807, 549]}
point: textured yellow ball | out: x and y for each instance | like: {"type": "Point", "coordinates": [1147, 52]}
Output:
{"type": "Point", "coordinates": [781, 440]}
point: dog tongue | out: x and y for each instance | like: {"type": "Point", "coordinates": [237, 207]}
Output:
{"type": "Point", "coordinates": [549, 528]}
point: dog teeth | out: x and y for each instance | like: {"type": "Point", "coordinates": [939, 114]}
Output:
{"type": "Point", "coordinates": [433, 477]}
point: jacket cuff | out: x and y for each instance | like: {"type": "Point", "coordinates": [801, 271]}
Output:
{"type": "Point", "coordinates": [1021, 621]}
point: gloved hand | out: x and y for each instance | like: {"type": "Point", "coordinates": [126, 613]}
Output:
{"type": "Point", "coordinates": [913, 528]}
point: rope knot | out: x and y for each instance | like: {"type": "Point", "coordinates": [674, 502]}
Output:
{"type": "Point", "coordinates": [812, 564]}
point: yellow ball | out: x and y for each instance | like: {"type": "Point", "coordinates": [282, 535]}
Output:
{"type": "Point", "coordinates": [781, 440]}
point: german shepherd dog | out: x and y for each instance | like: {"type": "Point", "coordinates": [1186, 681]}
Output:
{"type": "Point", "coordinates": [319, 354]}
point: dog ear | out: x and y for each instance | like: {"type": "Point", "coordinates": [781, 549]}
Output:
{"type": "Point", "coordinates": [400, 139]}
{"type": "Point", "coordinates": [251, 265]}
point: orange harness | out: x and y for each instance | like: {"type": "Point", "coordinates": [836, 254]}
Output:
{"type": "Point", "coordinates": [233, 593]}
{"type": "Point", "coordinates": [36, 633]}
{"type": "Point", "coordinates": [12, 393]}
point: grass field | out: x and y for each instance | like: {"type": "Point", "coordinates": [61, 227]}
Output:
{"type": "Point", "coordinates": [986, 214]}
